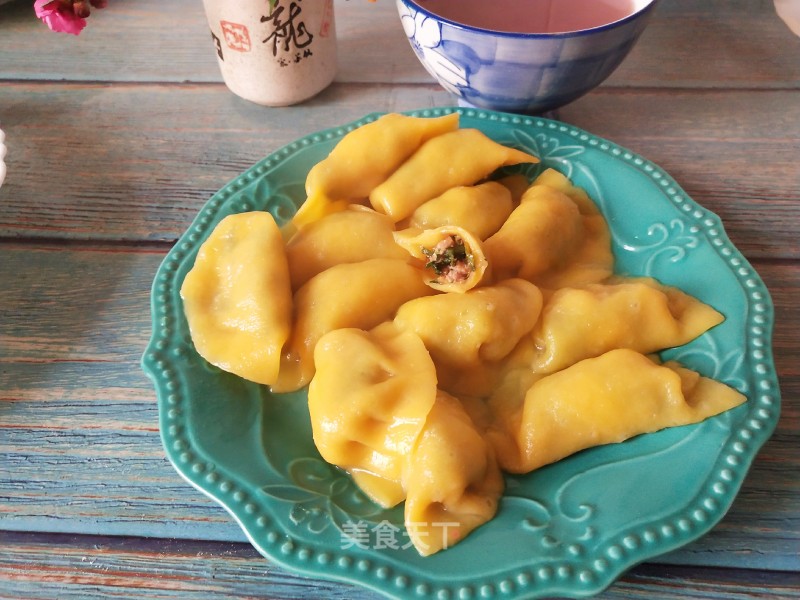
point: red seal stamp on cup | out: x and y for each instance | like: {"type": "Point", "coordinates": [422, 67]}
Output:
{"type": "Point", "coordinates": [236, 36]}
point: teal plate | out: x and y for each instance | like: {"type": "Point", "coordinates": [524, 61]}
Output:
{"type": "Point", "coordinates": [568, 529]}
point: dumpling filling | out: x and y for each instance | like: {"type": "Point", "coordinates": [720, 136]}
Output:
{"type": "Point", "coordinates": [450, 260]}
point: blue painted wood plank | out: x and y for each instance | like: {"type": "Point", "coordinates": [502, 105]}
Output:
{"type": "Point", "coordinates": [92, 567]}
{"type": "Point", "coordinates": [145, 177]}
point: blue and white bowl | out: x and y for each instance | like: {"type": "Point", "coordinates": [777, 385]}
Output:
{"type": "Point", "coordinates": [519, 72]}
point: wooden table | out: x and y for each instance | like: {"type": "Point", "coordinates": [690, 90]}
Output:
{"type": "Point", "coordinates": [116, 139]}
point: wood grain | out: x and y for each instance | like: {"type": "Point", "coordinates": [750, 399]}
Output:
{"type": "Point", "coordinates": [94, 175]}
{"type": "Point", "coordinates": [75, 400]}
{"type": "Point", "coordinates": [145, 177]}
{"type": "Point", "coordinates": [118, 137]}
{"type": "Point", "coordinates": [89, 567]}
{"type": "Point", "coordinates": [736, 163]}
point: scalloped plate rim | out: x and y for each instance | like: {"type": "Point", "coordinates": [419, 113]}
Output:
{"type": "Point", "coordinates": [150, 367]}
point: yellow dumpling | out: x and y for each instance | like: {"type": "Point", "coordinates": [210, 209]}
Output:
{"type": "Point", "coordinates": [364, 158]}
{"type": "Point", "coordinates": [593, 260]}
{"type": "Point", "coordinates": [348, 236]}
{"type": "Point", "coordinates": [452, 481]}
{"type": "Point", "coordinates": [603, 400]}
{"type": "Point", "coordinates": [449, 258]}
{"type": "Point", "coordinates": [542, 233]}
{"type": "Point", "coordinates": [482, 325]}
{"type": "Point", "coordinates": [637, 314]}
{"type": "Point", "coordinates": [560, 182]}
{"type": "Point", "coordinates": [237, 297]}
{"type": "Point", "coordinates": [556, 237]}
{"type": "Point", "coordinates": [460, 157]}
{"type": "Point", "coordinates": [481, 209]}
{"type": "Point", "coordinates": [368, 402]}
{"type": "Point", "coordinates": [467, 334]}
{"type": "Point", "coordinates": [516, 184]}
{"type": "Point", "coordinates": [362, 295]}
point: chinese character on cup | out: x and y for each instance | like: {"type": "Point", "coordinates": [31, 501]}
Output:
{"type": "Point", "coordinates": [274, 55]}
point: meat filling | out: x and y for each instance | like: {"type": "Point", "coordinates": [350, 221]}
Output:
{"type": "Point", "coordinates": [450, 260]}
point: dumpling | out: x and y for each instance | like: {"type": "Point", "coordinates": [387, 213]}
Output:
{"type": "Point", "coordinates": [560, 182]}
{"type": "Point", "coordinates": [516, 184]}
{"type": "Point", "coordinates": [639, 314]}
{"type": "Point", "coordinates": [480, 209]}
{"type": "Point", "coordinates": [603, 400]}
{"type": "Point", "coordinates": [460, 157]}
{"type": "Point", "coordinates": [556, 237]}
{"type": "Point", "coordinates": [450, 258]}
{"type": "Point", "coordinates": [471, 336]}
{"type": "Point", "coordinates": [361, 295]}
{"type": "Point", "coordinates": [364, 158]}
{"type": "Point", "coordinates": [593, 260]}
{"type": "Point", "coordinates": [369, 401]}
{"type": "Point", "coordinates": [348, 236]}
{"type": "Point", "coordinates": [237, 297]}
{"type": "Point", "coordinates": [452, 481]}
{"type": "Point", "coordinates": [542, 233]}
{"type": "Point", "coordinates": [467, 334]}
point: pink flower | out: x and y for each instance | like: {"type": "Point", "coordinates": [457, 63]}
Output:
{"type": "Point", "coordinates": [68, 16]}
{"type": "Point", "coordinates": [59, 16]}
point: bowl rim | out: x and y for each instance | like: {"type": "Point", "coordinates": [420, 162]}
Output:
{"type": "Point", "coordinates": [647, 7]}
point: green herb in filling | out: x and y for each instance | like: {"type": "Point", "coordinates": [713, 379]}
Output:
{"type": "Point", "coordinates": [449, 259]}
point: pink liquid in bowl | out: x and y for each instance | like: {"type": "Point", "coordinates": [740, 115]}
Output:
{"type": "Point", "coordinates": [532, 16]}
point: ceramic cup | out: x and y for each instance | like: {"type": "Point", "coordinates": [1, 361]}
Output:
{"type": "Point", "coordinates": [275, 56]}
{"type": "Point", "coordinates": [789, 12]}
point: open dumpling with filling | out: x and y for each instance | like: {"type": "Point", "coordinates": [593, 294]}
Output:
{"type": "Point", "coordinates": [449, 258]}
